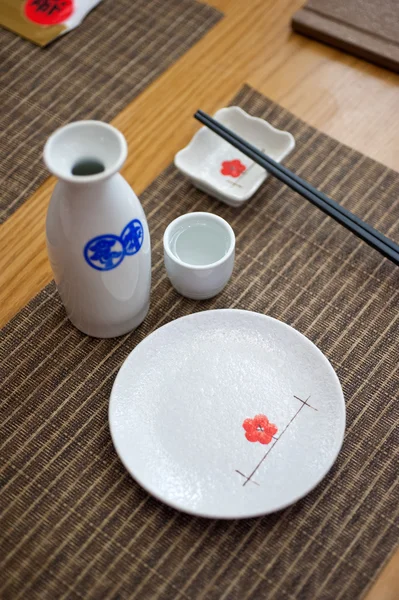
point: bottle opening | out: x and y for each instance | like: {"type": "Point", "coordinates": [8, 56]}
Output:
{"type": "Point", "coordinates": [87, 166]}
{"type": "Point", "coordinates": [85, 151]}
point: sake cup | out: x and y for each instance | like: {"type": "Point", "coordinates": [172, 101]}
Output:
{"type": "Point", "coordinates": [199, 250]}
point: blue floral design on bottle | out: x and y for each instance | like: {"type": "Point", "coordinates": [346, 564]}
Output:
{"type": "Point", "coordinates": [132, 237]}
{"type": "Point", "coordinates": [106, 252]}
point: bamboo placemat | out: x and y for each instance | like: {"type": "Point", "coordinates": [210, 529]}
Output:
{"type": "Point", "coordinates": [75, 525]}
{"type": "Point", "coordinates": [92, 72]}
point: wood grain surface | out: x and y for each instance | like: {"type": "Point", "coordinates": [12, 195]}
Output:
{"type": "Point", "coordinates": [353, 101]}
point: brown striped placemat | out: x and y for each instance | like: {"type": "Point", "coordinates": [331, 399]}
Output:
{"type": "Point", "coordinates": [75, 525]}
{"type": "Point", "coordinates": [92, 72]}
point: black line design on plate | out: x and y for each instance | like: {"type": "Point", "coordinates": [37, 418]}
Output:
{"type": "Point", "coordinates": [263, 432]}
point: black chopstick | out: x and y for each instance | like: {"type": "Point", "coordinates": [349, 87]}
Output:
{"type": "Point", "coordinates": [364, 231]}
{"type": "Point", "coordinates": [307, 186]}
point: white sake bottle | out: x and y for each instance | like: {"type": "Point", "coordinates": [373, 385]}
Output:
{"type": "Point", "coordinates": [97, 234]}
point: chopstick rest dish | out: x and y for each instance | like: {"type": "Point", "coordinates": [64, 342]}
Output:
{"type": "Point", "coordinates": [224, 172]}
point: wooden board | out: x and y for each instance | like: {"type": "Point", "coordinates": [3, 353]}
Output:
{"type": "Point", "coordinates": [365, 28]}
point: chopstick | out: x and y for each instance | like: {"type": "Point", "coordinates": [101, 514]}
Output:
{"type": "Point", "coordinates": [363, 230]}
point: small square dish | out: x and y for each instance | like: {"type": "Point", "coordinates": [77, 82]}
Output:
{"type": "Point", "coordinates": [217, 168]}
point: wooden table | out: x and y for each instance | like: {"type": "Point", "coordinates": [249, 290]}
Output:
{"type": "Point", "coordinates": [347, 98]}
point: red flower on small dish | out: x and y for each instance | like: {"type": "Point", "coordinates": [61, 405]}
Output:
{"type": "Point", "coordinates": [259, 429]}
{"type": "Point", "coordinates": [234, 168]}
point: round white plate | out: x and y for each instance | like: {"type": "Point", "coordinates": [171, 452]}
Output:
{"type": "Point", "coordinates": [227, 414]}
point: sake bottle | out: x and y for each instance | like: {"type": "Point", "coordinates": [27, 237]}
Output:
{"type": "Point", "coordinates": [97, 234]}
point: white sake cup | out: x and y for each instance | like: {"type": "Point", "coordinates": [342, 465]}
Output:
{"type": "Point", "coordinates": [199, 252]}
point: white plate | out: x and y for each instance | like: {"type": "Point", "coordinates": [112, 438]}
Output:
{"type": "Point", "coordinates": [181, 400]}
{"type": "Point", "coordinates": [217, 168]}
